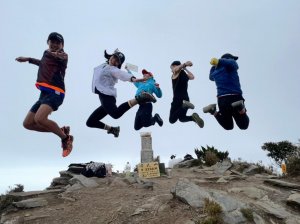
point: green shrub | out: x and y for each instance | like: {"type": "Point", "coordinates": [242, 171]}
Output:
{"type": "Point", "coordinates": [279, 151]}
{"type": "Point", "coordinates": [201, 154]}
{"type": "Point", "coordinates": [7, 200]}
{"type": "Point", "coordinates": [196, 162]}
{"type": "Point", "coordinates": [248, 214]}
{"type": "Point", "coordinates": [293, 164]}
{"type": "Point", "coordinates": [214, 211]}
{"type": "Point", "coordinates": [211, 158]}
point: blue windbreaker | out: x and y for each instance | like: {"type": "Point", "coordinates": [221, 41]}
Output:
{"type": "Point", "coordinates": [226, 77]}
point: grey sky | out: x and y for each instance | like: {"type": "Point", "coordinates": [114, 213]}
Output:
{"type": "Point", "coordinates": [264, 34]}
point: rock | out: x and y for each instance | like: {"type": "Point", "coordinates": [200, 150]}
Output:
{"type": "Point", "coordinates": [65, 173]}
{"type": "Point", "coordinates": [221, 167]}
{"type": "Point", "coordinates": [118, 181]}
{"type": "Point", "coordinates": [84, 181]}
{"type": "Point", "coordinates": [32, 194]}
{"type": "Point", "coordinates": [222, 180]}
{"type": "Point", "coordinates": [251, 170]}
{"type": "Point", "coordinates": [13, 220]}
{"type": "Point", "coordinates": [185, 164]}
{"type": "Point", "coordinates": [258, 219]}
{"type": "Point", "coordinates": [250, 192]}
{"type": "Point", "coordinates": [60, 181]}
{"type": "Point", "coordinates": [294, 200]}
{"type": "Point", "coordinates": [281, 183]}
{"type": "Point", "coordinates": [272, 209]}
{"type": "Point", "coordinates": [139, 211]}
{"type": "Point", "coordinates": [74, 187]}
{"type": "Point", "coordinates": [189, 193]}
{"type": "Point", "coordinates": [31, 203]}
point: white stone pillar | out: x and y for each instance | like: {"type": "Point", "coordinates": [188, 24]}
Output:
{"type": "Point", "coordinates": [146, 152]}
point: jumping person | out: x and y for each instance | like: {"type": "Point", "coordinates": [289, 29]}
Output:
{"type": "Point", "coordinates": [143, 116]}
{"type": "Point", "coordinates": [180, 104]}
{"type": "Point", "coordinates": [105, 77]}
{"type": "Point", "coordinates": [50, 81]}
{"type": "Point", "coordinates": [229, 93]}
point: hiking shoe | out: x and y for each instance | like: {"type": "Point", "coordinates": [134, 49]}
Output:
{"type": "Point", "coordinates": [115, 131]}
{"type": "Point", "coordinates": [239, 105]}
{"type": "Point", "coordinates": [158, 119]}
{"type": "Point", "coordinates": [145, 97]}
{"type": "Point", "coordinates": [187, 104]}
{"type": "Point", "coordinates": [211, 108]}
{"type": "Point", "coordinates": [66, 130]}
{"type": "Point", "coordinates": [67, 145]}
{"type": "Point", "coordinates": [198, 120]}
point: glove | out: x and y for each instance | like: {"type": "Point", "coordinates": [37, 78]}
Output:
{"type": "Point", "coordinates": [214, 61]}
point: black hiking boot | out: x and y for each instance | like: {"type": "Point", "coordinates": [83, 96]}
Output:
{"type": "Point", "coordinates": [158, 119]}
{"type": "Point", "coordinates": [115, 131]}
{"type": "Point", "coordinates": [145, 97]}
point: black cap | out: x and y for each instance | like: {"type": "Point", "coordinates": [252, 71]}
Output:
{"type": "Point", "coordinates": [118, 54]}
{"type": "Point", "coordinates": [176, 63]}
{"type": "Point", "coordinates": [229, 56]}
{"type": "Point", "coordinates": [56, 36]}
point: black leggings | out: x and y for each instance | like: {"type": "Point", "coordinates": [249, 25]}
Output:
{"type": "Point", "coordinates": [226, 113]}
{"type": "Point", "coordinates": [108, 106]}
{"type": "Point", "coordinates": [143, 117]}
{"type": "Point", "coordinates": [177, 112]}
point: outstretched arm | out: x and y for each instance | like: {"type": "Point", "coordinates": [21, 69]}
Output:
{"type": "Point", "coordinates": [27, 59]}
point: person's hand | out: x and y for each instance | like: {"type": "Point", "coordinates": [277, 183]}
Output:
{"type": "Point", "coordinates": [157, 85]}
{"type": "Point", "coordinates": [22, 59]}
{"type": "Point", "coordinates": [188, 63]}
{"type": "Point", "coordinates": [61, 55]}
{"type": "Point", "coordinates": [214, 61]}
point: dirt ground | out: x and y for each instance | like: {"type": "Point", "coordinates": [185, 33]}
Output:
{"type": "Point", "coordinates": [118, 203]}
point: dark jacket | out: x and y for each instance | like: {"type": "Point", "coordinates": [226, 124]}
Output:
{"type": "Point", "coordinates": [226, 77]}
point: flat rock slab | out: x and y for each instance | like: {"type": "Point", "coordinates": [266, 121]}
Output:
{"type": "Point", "coordinates": [281, 183]}
{"type": "Point", "coordinates": [294, 200]}
{"type": "Point", "coordinates": [31, 194]}
{"type": "Point", "coordinates": [31, 203]}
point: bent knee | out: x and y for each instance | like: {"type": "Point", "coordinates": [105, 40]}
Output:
{"type": "Point", "coordinates": [228, 128]}
{"type": "Point", "coordinates": [89, 123]}
{"type": "Point", "coordinates": [27, 125]}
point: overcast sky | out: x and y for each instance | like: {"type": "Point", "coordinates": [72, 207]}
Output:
{"type": "Point", "coordinates": [264, 34]}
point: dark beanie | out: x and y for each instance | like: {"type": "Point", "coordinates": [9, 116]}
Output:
{"type": "Point", "coordinates": [176, 63]}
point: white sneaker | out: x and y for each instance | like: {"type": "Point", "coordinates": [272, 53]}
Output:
{"type": "Point", "coordinates": [187, 104]}
{"type": "Point", "coordinates": [211, 108]}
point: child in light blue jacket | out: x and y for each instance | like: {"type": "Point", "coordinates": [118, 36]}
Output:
{"type": "Point", "coordinates": [143, 116]}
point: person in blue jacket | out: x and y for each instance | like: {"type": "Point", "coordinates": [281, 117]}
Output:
{"type": "Point", "coordinates": [143, 116]}
{"type": "Point", "coordinates": [229, 93]}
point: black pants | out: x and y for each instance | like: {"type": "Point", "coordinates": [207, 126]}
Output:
{"type": "Point", "coordinates": [226, 113]}
{"type": "Point", "coordinates": [108, 107]}
{"type": "Point", "coordinates": [143, 117]}
{"type": "Point", "coordinates": [177, 112]}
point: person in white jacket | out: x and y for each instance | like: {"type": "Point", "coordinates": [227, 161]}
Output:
{"type": "Point", "coordinates": [105, 77]}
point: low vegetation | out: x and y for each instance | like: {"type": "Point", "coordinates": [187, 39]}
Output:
{"type": "Point", "coordinates": [210, 155]}
{"type": "Point", "coordinates": [6, 200]}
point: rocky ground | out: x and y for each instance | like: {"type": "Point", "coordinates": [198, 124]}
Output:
{"type": "Point", "coordinates": [176, 199]}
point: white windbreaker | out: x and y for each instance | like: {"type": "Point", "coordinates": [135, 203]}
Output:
{"type": "Point", "coordinates": [106, 76]}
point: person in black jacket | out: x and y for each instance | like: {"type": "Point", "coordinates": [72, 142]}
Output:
{"type": "Point", "coordinates": [181, 101]}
